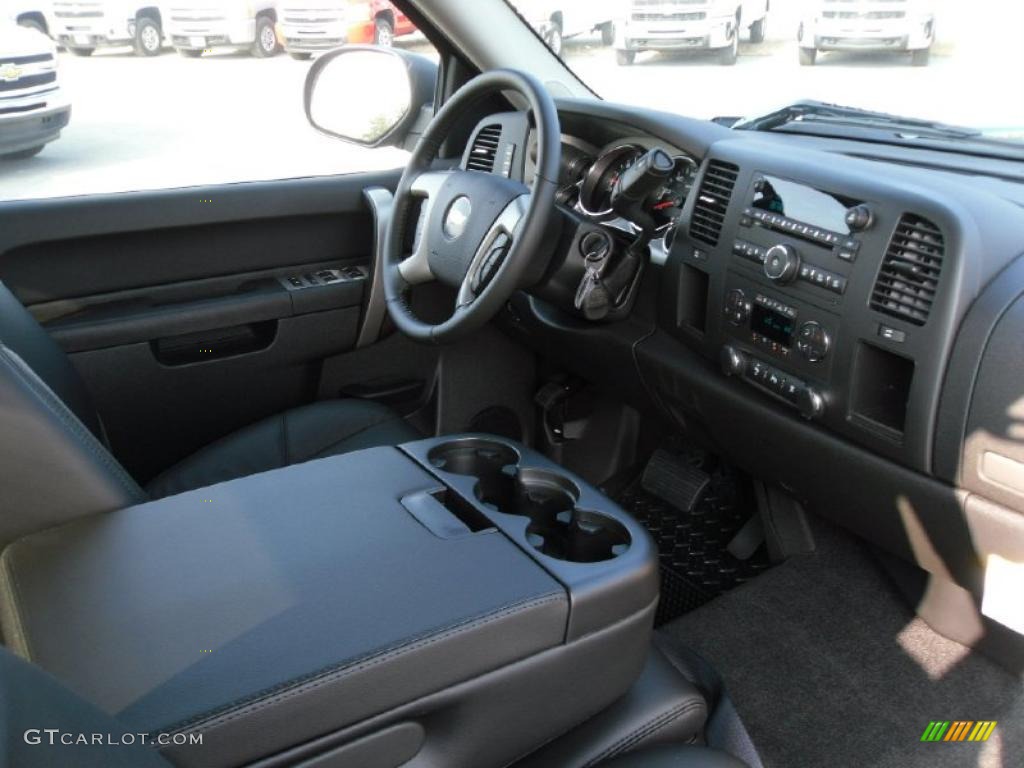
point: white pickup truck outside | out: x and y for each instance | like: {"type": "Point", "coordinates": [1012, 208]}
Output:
{"type": "Point", "coordinates": [308, 26]}
{"type": "Point", "coordinates": [867, 25]}
{"type": "Point", "coordinates": [195, 26]}
{"type": "Point", "coordinates": [677, 25]}
{"type": "Point", "coordinates": [556, 20]}
{"type": "Point", "coordinates": [33, 107]}
{"type": "Point", "coordinates": [82, 26]}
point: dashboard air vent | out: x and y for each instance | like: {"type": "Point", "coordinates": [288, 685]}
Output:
{"type": "Point", "coordinates": [485, 149]}
{"type": "Point", "coordinates": [713, 201]}
{"type": "Point", "coordinates": [909, 275]}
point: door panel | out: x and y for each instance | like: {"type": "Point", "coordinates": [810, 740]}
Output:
{"type": "Point", "coordinates": [74, 247]}
{"type": "Point", "coordinates": [181, 314]}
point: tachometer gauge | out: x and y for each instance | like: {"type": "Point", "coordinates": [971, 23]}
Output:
{"type": "Point", "coordinates": [669, 202]}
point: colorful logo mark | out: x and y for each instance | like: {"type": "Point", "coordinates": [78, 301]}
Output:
{"type": "Point", "coordinates": [958, 730]}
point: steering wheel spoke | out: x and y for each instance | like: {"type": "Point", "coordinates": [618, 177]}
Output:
{"type": "Point", "coordinates": [482, 234]}
{"type": "Point", "coordinates": [493, 251]}
{"type": "Point", "coordinates": [415, 267]}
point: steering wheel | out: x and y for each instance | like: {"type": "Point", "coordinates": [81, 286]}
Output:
{"type": "Point", "coordinates": [478, 232]}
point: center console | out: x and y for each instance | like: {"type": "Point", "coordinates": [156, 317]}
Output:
{"type": "Point", "coordinates": [829, 293]}
{"type": "Point", "coordinates": [804, 242]}
{"type": "Point", "coordinates": [458, 600]}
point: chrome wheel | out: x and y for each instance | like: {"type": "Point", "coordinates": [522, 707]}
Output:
{"type": "Point", "coordinates": [151, 39]}
{"type": "Point", "coordinates": [384, 36]}
{"type": "Point", "coordinates": [268, 41]}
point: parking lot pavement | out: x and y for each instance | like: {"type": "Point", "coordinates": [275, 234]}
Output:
{"type": "Point", "coordinates": [169, 121]}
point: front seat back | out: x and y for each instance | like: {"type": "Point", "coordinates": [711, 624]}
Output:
{"type": "Point", "coordinates": [54, 465]}
{"type": "Point", "coordinates": [26, 338]}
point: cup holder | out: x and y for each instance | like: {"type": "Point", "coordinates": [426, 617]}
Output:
{"type": "Point", "coordinates": [473, 456]}
{"type": "Point", "coordinates": [557, 527]}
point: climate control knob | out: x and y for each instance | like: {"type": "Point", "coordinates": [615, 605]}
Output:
{"type": "Point", "coordinates": [737, 307]}
{"type": "Point", "coordinates": [781, 263]}
{"type": "Point", "coordinates": [734, 362]}
{"type": "Point", "coordinates": [813, 341]}
{"type": "Point", "coordinates": [811, 404]}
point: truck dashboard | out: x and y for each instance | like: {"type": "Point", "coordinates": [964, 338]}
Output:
{"type": "Point", "coordinates": [842, 308]}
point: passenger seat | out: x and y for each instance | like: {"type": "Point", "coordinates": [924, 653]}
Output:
{"type": "Point", "coordinates": [675, 756]}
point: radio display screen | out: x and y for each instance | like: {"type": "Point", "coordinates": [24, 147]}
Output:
{"type": "Point", "coordinates": [772, 325]}
{"type": "Point", "coordinates": [802, 203]}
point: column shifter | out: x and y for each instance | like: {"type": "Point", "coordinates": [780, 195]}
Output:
{"type": "Point", "coordinates": [638, 182]}
{"type": "Point", "coordinates": [604, 282]}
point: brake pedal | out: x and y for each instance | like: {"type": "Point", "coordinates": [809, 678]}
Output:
{"type": "Point", "coordinates": [674, 481]}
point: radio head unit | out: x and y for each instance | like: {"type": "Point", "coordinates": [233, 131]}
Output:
{"type": "Point", "coordinates": [804, 204]}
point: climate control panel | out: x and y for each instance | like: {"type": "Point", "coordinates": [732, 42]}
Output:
{"type": "Point", "coordinates": [775, 326]}
{"type": "Point", "coordinates": [778, 342]}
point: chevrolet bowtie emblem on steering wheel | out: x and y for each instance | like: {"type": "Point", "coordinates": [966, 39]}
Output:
{"type": "Point", "coordinates": [457, 217]}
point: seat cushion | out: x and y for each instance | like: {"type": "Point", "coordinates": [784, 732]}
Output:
{"type": "Point", "coordinates": [662, 707]}
{"type": "Point", "coordinates": [325, 428]}
{"type": "Point", "coordinates": [675, 756]}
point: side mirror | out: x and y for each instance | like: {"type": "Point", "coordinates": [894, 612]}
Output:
{"type": "Point", "coordinates": [368, 95]}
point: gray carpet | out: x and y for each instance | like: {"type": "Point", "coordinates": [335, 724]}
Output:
{"type": "Point", "coordinates": [827, 667]}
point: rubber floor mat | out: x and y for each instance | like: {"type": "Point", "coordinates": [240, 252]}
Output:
{"type": "Point", "coordinates": [695, 564]}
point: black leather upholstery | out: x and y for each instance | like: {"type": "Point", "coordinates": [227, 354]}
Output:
{"type": "Point", "coordinates": [31, 700]}
{"type": "Point", "coordinates": [21, 334]}
{"type": "Point", "coordinates": [55, 465]}
{"type": "Point", "coordinates": [676, 756]}
{"type": "Point", "coordinates": [235, 598]}
{"type": "Point", "coordinates": [52, 468]}
{"type": "Point", "coordinates": [662, 707]}
{"type": "Point", "coordinates": [326, 428]}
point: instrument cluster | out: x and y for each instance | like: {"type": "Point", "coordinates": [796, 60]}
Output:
{"type": "Point", "coordinates": [589, 176]}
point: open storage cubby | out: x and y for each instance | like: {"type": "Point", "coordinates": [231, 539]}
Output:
{"type": "Point", "coordinates": [557, 526]}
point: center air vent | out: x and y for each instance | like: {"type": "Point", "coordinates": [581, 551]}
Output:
{"type": "Point", "coordinates": [909, 275]}
{"type": "Point", "coordinates": [485, 149]}
{"type": "Point", "coordinates": [713, 201]}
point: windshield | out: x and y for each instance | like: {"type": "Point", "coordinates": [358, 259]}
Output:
{"type": "Point", "coordinates": [939, 60]}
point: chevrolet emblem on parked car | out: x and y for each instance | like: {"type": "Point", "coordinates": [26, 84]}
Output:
{"type": "Point", "coordinates": [10, 72]}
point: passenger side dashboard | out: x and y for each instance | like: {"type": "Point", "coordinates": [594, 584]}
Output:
{"type": "Point", "coordinates": [850, 325]}
{"type": "Point", "coordinates": [915, 443]}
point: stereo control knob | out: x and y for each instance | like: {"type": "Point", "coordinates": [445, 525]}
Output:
{"type": "Point", "coordinates": [813, 341]}
{"type": "Point", "coordinates": [859, 218]}
{"type": "Point", "coordinates": [781, 263]}
{"type": "Point", "coordinates": [812, 404]}
{"type": "Point", "coordinates": [734, 362]}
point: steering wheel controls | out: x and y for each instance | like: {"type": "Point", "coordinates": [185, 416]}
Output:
{"type": "Point", "coordinates": [495, 256]}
